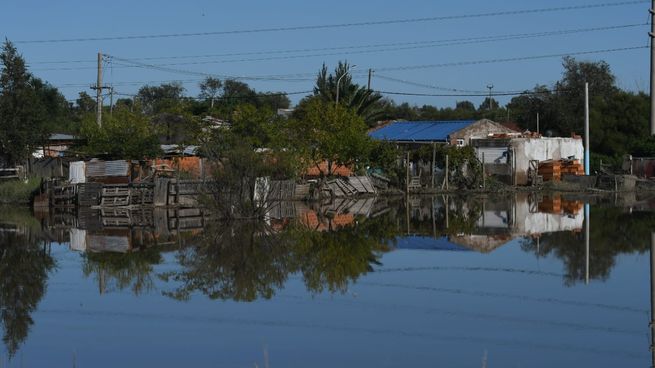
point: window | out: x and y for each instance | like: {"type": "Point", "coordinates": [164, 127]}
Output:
{"type": "Point", "coordinates": [460, 142]}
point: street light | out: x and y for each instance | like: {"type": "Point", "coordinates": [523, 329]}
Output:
{"type": "Point", "coordinates": [339, 80]}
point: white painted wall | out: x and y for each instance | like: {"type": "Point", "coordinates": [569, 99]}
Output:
{"type": "Point", "coordinates": [542, 149]}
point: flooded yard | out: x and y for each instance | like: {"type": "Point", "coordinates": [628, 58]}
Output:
{"type": "Point", "coordinates": [511, 281]}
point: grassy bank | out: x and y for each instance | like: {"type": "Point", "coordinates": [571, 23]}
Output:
{"type": "Point", "coordinates": [18, 191]}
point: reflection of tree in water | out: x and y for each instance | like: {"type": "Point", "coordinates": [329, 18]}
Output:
{"type": "Point", "coordinates": [120, 271]}
{"type": "Point", "coordinates": [243, 261]}
{"type": "Point", "coordinates": [239, 262]}
{"type": "Point", "coordinates": [613, 232]}
{"type": "Point", "coordinates": [331, 260]}
{"type": "Point", "coordinates": [24, 269]}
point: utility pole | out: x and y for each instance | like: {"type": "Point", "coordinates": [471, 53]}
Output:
{"type": "Point", "coordinates": [587, 169]}
{"type": "Point", "coordinates": [99, 91]}
{"type": "Point", "coordinates": [370, 75]}
{"type": "Point", "coordinates": [491, 86]}
{"type": "Point", "coordinates": [111, 101]}
{"type": "Point", "coordinates": [652, 67]}
{"type": "Point", "coordinates": [537, 123]}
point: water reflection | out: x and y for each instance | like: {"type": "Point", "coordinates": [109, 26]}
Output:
{"type": "Point", "coordinates": [186, 254]}
{"type": "Point", "coordinates": [25, 263]}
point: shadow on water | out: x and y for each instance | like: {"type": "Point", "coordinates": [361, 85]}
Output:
{"type": "Point", "coordinates": [329, 246]}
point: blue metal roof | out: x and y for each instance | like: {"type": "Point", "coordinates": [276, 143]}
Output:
{"type": "Point", "coordinates": [427, 243]}
{"type": "Point", "coordinates": [419, 131]}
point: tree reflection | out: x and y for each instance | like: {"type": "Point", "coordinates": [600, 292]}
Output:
{"type": "Point", "coordinates": [121, 271]}
{"type": "Point", "coordinates": [244, 261]}
{"type": "Point", "coordinates": [613, 231]}
{"type": "Point", "coordinates": [24, 268]}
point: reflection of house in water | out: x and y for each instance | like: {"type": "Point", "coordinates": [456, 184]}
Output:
{"type": "Point", "coordinates": [123, 229]}
{"type": "Point", "coordinates": [339, 213]}
{"type": "Point", "coordinates": [488, 223]}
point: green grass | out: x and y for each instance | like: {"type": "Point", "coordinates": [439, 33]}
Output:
{"type": "Point", "coordinates": [18, 191]}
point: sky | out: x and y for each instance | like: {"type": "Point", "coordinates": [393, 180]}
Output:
{"type": "Point", "coordinates": [439, 55]}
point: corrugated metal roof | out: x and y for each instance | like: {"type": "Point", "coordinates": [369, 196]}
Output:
{"type": "Point", "coordinates": [427, 243]}
{"type": "Point", "coordinates": [419, 131]}
{"type": "Point", "coordinates": [62, 137]}
{"type": "Point", "coordinates": [107, 168]}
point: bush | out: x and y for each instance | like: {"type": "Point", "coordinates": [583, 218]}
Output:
{"type": "Point", "coordinates": [18, 191]}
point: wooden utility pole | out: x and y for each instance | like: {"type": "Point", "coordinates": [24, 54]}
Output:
{"type": "Point", "coordinates": [99, 92]}
{"type": "Point", "coordinates": [111, 101]}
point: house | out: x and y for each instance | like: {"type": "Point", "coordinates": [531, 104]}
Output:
{"type": "Point", "coordinates": [455, 132]}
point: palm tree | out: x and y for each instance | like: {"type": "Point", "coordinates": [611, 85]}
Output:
{"type": "Point", "coordinates": [365, 102]}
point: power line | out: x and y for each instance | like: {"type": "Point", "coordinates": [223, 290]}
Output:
{"type": "Point", "coordinates": [416, 84]}
{"type": "Point", "coordinates": [502, 60]}
{"type": "Point", "coordinates": [370, 48]}
{"type": "Point", "coordinates": [196, 73]}
{"type": "Point", "coordinates": [343, 25]}
{"type": "Point", "coordinates": [257, 95]}
{"type": "Point", "coordinates": [304, 76]}
{"type": "Point", "coordinates": [486, 94]}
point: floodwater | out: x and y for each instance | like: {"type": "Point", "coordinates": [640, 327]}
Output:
{"type": "Point", "coordinates": [511, 281]}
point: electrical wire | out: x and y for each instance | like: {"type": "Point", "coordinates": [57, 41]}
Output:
{"type": "Point", "coordinates": [359, 49]}
{"type": "Point", "coordinates": [503, 60]}
{"type": "Point", "coordinates": [344, 25]}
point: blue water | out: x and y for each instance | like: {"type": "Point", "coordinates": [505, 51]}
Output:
{"type": "Point", "coordinates": [439, 308]}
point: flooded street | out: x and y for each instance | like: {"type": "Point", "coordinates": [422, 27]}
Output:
{"type": "Point", "coordinates": [510, 281]}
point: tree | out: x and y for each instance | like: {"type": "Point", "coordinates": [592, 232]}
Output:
{"type": "Point", "coordinates": [365, 102]}
{"type": "Point", "coordinates": [156, 99]}
{"type": "Point", "coordinates": [209, 89]}
{"type": "Point", "coordinates": [23, 117]}
{"type": "Point", "coordinates": [85, 103]}
{"type": "Point", "coordinates": [123, 135]}
{"type": "Point", "coordinates": [325, 131]}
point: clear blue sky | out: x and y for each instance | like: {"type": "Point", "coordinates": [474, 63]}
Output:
{"type": "Point", "coordinates": [39, 20]}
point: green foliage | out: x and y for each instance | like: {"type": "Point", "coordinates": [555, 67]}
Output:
{"type": "Point", "coordinates": [465, 170]}
{"type": "Point", "coordinates": [325, 131]}
{"type": "Point", "coordinates": [365, 102]}
{"type": "Point", "coordinates": [385, 156]}
{"type": "Point", "coordinates": [18, 191]}
{"type": "Point", "coordinates": [124, 135]}
{"type": "Point", "coordinates": [157, 99]}
{"type": "Point", "coordinates": [29, 109]}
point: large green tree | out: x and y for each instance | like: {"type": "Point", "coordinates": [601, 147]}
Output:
{"type": "Point", "coordinates": [29, 108]}
{"type": "Point", "coordinates": [123, 135]}
{"type": "Point", "coordinates": [324, 131]}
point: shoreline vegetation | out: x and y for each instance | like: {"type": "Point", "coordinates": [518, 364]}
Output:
{"type": "Point", "coordinates": [248, 135]}
{"type": "Point", "coordinates": [19, 191]}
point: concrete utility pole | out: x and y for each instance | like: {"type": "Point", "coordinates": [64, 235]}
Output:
{"type": "Point", "coordinates": [537, 123]}
{"type": "Point", "coordinates": [652, 67]}
{"type": "Point", "coordinates": [370, 75]}
{"type": "Point", "coordinates": [587, 169]}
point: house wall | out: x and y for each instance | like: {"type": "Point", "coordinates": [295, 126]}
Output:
{"type": "Point", "coordinates": [480, 129]}
{"type": "Point", "coordinates": [542, 149]}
